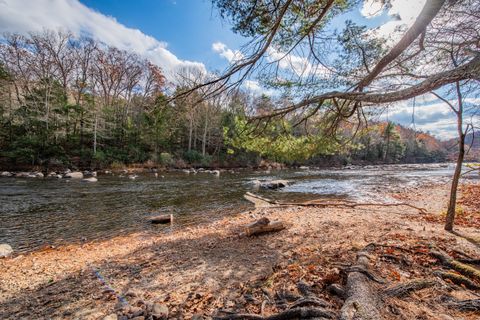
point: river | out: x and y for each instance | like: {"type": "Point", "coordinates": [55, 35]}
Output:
{"type": "Point", "coordinates": [37, 212]}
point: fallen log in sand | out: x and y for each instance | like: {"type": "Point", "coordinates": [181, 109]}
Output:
{"type": "Point", "coordinates": [164, 218]}
{"type": "Point", "coordinates": [263, 225]}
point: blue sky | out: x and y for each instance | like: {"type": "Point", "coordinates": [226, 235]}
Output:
{"type": "Point", "coordinates": [177, 33]}
{"type": "Point", "coordinates": [188, 26]}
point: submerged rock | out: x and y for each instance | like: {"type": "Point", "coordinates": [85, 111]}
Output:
{"type": "Point", "coordinates": [5, 250]}
{"type": "Point", "coordinates": [73, 175]}
{"type": "Point", "coordinates": [90, 179]}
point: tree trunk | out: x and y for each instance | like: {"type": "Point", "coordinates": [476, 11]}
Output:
{"type": "Point", "coordinates": [205, 129]}
{"type": "Point", "coordinates": [458, 166]}
{"type": "Point", "coordinates": [190, 131]}
{"type": "Point", "coordinates": [95, 137]}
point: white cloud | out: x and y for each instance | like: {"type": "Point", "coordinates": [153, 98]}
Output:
{"type": "Point", "coordinates": [255, 87]}
{"type": "Point", "coordinates": [431, 115]}
{"type": "Point", "coordinates": [297, 64]}
{"type": "Point", "coordinates": [23, 16]}
{"type": "Point", "coordinates": [371, 8]}
{"type": "Point", "coordinates": [402, 14]}
{"type": "Point", "coordinates": [231, 55]}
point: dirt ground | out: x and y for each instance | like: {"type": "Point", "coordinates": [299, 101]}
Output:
{"type": "Point", "coordinates": [203, 271]}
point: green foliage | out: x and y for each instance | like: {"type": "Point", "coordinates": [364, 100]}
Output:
{"type": "Point", "coordinates": [166, 159]}
{"type": "Point", "coordinates": [277, 142]}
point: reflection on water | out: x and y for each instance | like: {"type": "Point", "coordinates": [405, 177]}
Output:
{"type": "Point", "coordinates": [35, 212]}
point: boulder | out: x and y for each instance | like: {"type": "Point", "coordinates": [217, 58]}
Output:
{"type": "Point", "coordinates": [73, 175]}
{"type": "Point", "coordinates": [38, 175]}
{"type": "Point", "coordinates": [90, 179]}
{"type": "Point", "coordinates": [274, 184]}
{"type": "Point", "coordinates": [5, 250]}
{"type": "Point", "coordinates": [22, 174]}
{"type": "Point", "coordinates": [6, 174]}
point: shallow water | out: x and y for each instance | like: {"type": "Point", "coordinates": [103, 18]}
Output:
{"type": "Point", "coordinates": [35, 212]}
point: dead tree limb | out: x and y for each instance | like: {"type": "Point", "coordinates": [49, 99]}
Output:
{"type": "Point", "coordinates": [261, 202]}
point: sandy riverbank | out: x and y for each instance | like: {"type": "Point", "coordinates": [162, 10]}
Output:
{"type": "Point", "coordinates": [199, 270]}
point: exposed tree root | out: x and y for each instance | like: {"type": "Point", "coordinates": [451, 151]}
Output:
{"type": "Point", "coordinates": [297, 313]}
{"type": "Point", "coordinates": [457, 279]}
{"type": "Point", "coordinates": [265, 202]}
{"type": "Point", "coordinates": [464, 269]}
{"type": "Point", "coordinates": [361, 300]}
{"type": "Point", "coordinates": [312, 301]}
{"type": "Point", "coordinates": [404, 289]}
{"type": "Point", "coordinates": [462, 305]}
{"type": "Point", "coordinates": [469, 261]}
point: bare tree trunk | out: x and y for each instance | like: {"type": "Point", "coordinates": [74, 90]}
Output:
{"type": "Point", "coordinates": [190, 131]}
{"type": "Point", "coordinates": [205, 129]}
{"type": "Point", "coordinates": [458, 166]}
{"type": "Point", "coordinates": [95, 136]}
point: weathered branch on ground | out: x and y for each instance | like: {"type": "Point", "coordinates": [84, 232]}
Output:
{"type": "Point", "coordinates": [261, 202]}
{"type": "Point", "coordinates": [404, 289]}
{"type": "Point", "coordinates": [263, 225]}
{"type": "Point", "coordinates": [451, 263]}
{"type": "Point", "coordinates": [457, 279]}
{"type": "Point", "coordinates": [361, 299]}
{"type": "Point", "coordinates": [297, 313]}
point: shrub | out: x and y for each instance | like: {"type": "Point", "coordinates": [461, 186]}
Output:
{"type": "Point", "coordinates": [166, 159]}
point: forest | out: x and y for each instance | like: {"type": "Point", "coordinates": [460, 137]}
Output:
{"type": "Point", "coordinates": [69, 101]}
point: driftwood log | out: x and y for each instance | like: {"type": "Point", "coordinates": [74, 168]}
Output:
{"type": "Point", "coordinates": [164, 218]}
{"type": "Point", "coordinates": [263, 225]}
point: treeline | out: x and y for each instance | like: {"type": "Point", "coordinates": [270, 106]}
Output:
{"type": "Point", "coordinates": [73, 101]}
{"type": "Point", "coordinates": [69, 101]}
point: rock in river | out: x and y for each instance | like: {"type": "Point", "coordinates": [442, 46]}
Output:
{"type": "Point", "coordinates": [274, 184]}
{"type": "Point", "coordinates": [73, 175]}
{"type": "Point", "coordinates": [6, 174]}
{"type": "Point", "coordinates": [5, 250]}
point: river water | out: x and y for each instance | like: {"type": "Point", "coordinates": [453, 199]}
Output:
{"type": "Point", "coordinates": [38, 212]}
